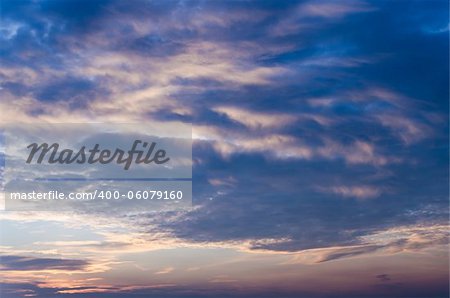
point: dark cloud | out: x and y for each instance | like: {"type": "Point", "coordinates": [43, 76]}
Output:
{"type": "Point", "coordinates": [349, 252]}
{"type": "Point", "coordinates": [151, 46]}
{"type": "Point", "coordinates": [66, 89]}
{"type": "Point", "coordinates": [267, 201]}
{"type": "Point", "coordinates": [383, 277]}
{"type": "Point", "coordinates": [22, 263]}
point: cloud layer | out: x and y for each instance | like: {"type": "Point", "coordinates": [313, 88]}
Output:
{"type": "Point", "coordinates": [320, 135]}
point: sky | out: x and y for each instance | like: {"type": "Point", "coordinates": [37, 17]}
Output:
{"type": "Point", "coordinates": [319, 156]}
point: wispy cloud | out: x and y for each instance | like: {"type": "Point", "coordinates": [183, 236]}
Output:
{"type": "Point", "coordinates": [358, 192]}
{"type": "Point", "coordinates": [165, 270]}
